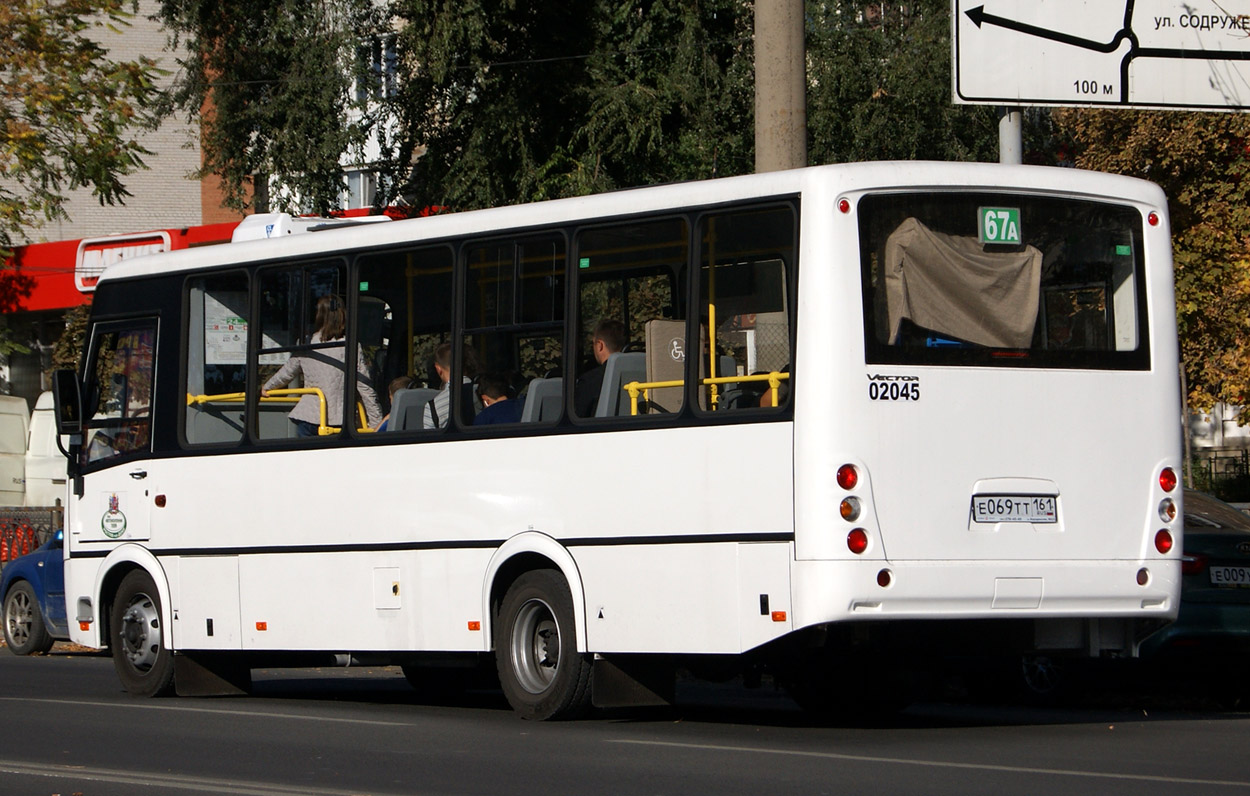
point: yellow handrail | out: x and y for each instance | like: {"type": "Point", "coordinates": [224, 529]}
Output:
{"type": "Point", "coordinates": [284, 396]}
{"type": "Point", "coordinates": [637, 388]}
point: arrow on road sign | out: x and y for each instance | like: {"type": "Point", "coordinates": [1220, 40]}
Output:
{"type": "Point", "coordinates": [978, 15]}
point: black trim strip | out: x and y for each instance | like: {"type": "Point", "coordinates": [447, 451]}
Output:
{"type": "Point", "coordinates": [383, 547]}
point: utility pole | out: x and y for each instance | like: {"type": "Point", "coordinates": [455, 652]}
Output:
{"type": "Point", "coordinates": [1010, 135]}
{"type": "Point", "coordinates": [780, 86]}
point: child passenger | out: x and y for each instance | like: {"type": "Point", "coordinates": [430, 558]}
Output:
{"type": "Point", "coordinates": [498, 407]}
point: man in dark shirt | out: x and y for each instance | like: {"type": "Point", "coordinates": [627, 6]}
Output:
{"type": "Point", "coordinates": [609, 338]}
{"type": "Point", "coordinates": [498, 408]}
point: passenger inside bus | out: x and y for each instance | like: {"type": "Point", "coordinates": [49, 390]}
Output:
{"type": "Point", "coordinates": [609, 338]}
{"type": "Point", "coordinates": [323, 368]}
{"type": "Point", "coordinates": [397, 384]}
{"type": "Point", "coordinates": [497, 406]}
{"type": "Point", "coordinates": [438, 410]}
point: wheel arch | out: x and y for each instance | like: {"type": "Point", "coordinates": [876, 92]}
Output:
{"type": "Point", "coordinates": [13, 581]}
{"type": "Point", "coordinates": [19, 571]}
{"type": "Point", "coordinates": [524, 553]}
{"type": "Point", "coordinates": [117, 565]}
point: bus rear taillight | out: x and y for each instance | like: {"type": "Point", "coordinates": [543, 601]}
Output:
{"type": "Point", "coordinates": [1163, 541]}
{"type": "Point", "coordinates": [1167, 479]}
{"type": "Point", "coordinates": [848, 477]}
{"type": "Point", "coordinates": [857, 541]}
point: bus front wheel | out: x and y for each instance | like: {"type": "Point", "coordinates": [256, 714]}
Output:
{"type": "Point", "coordinates": [540, 670]}
{"type": "Point", "coordinates": [143, 663]}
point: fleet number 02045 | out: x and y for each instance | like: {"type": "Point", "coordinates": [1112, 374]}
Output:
{"type": "Point", "coordinates": [894, 391]}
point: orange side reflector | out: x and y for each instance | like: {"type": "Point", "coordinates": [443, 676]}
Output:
{"type": "Point", "coordinates": [262, 625]}
{"type": "Point", "coordinates": [84, 625]}
{"type": "Point", "coordinates": [779, 616]}
{"type": "Point", "coordinates": [475, 625]}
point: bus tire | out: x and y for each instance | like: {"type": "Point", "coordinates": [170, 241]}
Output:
{"type": "Point", "coordinates": [540, 670]}
{"type": "Point", "coordinates": [143, 663]}
{"type": "Point", "coordinates": [24, 630]}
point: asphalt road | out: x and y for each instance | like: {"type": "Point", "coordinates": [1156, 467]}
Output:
{"type": "Point", "coordinates": [69, 729]}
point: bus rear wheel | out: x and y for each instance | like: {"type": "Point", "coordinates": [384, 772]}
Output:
{"type": "Point", "coordinates": [143, 663]}
{"type": "Point", "coordinates": [540, 670]}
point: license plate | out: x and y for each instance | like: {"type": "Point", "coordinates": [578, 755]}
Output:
{"type": "Point", "coordinates": [1014, 508]}
{"type": "Point", "coordinates": [1230, 576]}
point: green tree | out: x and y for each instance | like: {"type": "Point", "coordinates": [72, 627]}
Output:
{"type": "Point", "coordinates": [490, 97]}
{"type": "Point", "coordinates": [69, 115]}
{"type": "Point", "coordinates": [879, 86]}
{"type": "Point", "coordinates": [672, 90]}
{"type": "Point", "coordinates": [282, 89]}
{"type": "Point", "coordinates": [512, 102]}
{"type": "Point", "coordinates": [499, 102]}
{"type": "Point", "coordinates": [69, 118]}
{"type": "Point", "coordinates": [1202, 162]}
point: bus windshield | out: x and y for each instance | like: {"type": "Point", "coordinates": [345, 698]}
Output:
{"type": "Point", "coordinates": [998, 279]}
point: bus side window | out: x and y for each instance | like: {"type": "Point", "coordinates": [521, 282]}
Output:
{"type": "Point", "coordinates": [216, 355]}
{"type": "Point", "coordinates": [403, 314]}
{"type": "Point", "coordinates": [513, 320]}
{"type": "Point", "coordinates": [288, 312]}
{"type": "Point", "coordinates": [632, 274]}
{"type": "Point", "coordinates": [746, 267]}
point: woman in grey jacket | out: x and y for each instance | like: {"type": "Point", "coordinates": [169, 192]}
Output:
{"type": "Point", "coordinates": [323, 367]}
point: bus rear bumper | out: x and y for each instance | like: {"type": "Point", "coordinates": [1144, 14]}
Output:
{"type": "Point", "coordinates": [833, 591]}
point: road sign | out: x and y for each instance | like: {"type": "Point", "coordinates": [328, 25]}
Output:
{"type": "Point", "coordinates": [1177, 54]}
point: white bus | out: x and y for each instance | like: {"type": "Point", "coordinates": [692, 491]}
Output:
{"type": "Point", "coordinates": [860, 415]}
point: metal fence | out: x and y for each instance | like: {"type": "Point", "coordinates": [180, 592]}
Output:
{"type": "Point", "coordinates": [23, 530]}
{"type": "Point", "coordinates": [1225, 474]}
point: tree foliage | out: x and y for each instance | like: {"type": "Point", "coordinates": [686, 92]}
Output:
{"type": "Point", "coordinates": [69, 115]}
{"type": "Point", "coordinates": [273, 87]}
{"type": "Point", "coordinates": [1202, 162]}
{"type": "Point", "coordinates": [498, 102]}
{"type": "Point", "coordinates": [879, 86]}
{"type": "Point", "coordinates": [512, 102]}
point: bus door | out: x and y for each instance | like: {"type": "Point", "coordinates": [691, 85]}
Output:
{"type": "Point", "coordinates": [117, 436]}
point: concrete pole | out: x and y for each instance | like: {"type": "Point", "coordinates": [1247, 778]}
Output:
{"type": "Point", "coordinates": [780, 86]}
{"type": "Point", "coordinates": [1010, 136]}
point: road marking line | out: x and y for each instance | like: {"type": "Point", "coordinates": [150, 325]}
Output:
{"type": "Point", "coordinates": [243, 787]}
{"type": "Point", "coordinates": [183, 709]}
{"type": "Point", "coordinates": [944, 764]}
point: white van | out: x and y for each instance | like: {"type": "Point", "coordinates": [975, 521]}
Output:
{"type": "Point", "coordinates": [14, 431]}
{"type": "Point", "coordinates": [32, 468]}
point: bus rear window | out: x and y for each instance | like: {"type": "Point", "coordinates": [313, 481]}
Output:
{"type": "Point", "coordinates": [1002, 279]}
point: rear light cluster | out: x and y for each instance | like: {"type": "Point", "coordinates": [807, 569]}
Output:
{"type": "Point", "coordinates": [1167, 510]}
{"type": "Point", "coordinates": [851, 508]}
{"type": "Point", "coordinates": [1164, 542]}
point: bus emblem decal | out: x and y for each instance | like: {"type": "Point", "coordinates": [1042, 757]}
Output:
{"type": "Point", "coordinates": [113, 523]}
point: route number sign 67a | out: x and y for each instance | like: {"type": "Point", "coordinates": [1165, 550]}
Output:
{"type": "Point", "coordinates": [998, 225]}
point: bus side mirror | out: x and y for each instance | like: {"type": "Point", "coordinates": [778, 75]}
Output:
{"type": "Point", "coordinates": [67, 398]}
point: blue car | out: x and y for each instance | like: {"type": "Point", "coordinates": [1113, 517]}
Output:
{"type": "Point", "coordinates": [32, 591]}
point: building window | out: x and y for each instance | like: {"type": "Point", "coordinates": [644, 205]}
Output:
{"type": "Point", "coordinates": [360, 189]}
{"type": "Point", "coordinates": [379, 63]}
